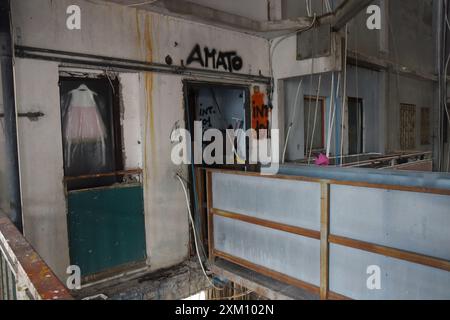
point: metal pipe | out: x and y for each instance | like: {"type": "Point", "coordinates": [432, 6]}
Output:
{"type": "Point", "coordinates": [120, 64]}
{"type": "Point", "coordinates": [9, 105]}
{"type": "Point", "coordinates": [438, 142]}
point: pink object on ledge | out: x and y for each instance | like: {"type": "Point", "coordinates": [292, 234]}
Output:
{"type": "Point", "coordinates": [322, 160]}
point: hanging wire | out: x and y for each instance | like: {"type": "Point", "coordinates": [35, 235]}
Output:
{"type": "Point", "coordinates": [315, 119]}
{"type": "Point", "coordinates": [344, 97]}
{"type": "Point", "coordinates": [191, 219]}
{"type": "Point", "coordinates": [273, 47]}
{"type": "Point", "coordinates": [446, 75]}
{"type": "Point", "coordinates": [294, 113]}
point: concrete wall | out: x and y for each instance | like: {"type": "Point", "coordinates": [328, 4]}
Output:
{"type": "Point", "coordinates": [253, 9]}
{"type": "Point", "coordinates": [3, 185]}
{"type": "Point", "coordinates": [152, 104]}
{"type": "Point", "coordinates": [403, 90]}
{"type": "Point", "coordinates": [361, 83]}
{"type": "Point", "coordinates": [406, 40]}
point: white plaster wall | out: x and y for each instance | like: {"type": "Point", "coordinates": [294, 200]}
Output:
{"type": "Point", "coordinates": [113, 30]}
{"type": "Point", "coordinates": [130, 88]}
{"type": "Point", "coordinates": [41, 162]}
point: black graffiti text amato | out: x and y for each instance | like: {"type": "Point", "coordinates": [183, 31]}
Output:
{"type": "Point", "coordinates": [228, 61]}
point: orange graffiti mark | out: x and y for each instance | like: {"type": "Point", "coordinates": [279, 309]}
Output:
{"type": "Point", "coordinates": [260, 111]}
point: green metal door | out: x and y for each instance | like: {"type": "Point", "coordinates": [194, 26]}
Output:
{"type": "Point", "coordinates": [106, 228]}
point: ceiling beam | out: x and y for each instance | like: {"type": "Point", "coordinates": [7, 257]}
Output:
{"type": "Point", "coordinates": [267, 29]}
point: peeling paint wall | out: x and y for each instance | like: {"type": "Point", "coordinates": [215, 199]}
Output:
{"type": "Point", "coordinates": [41, 165]}
{"type": "Point", "coordinates": [152, 104]}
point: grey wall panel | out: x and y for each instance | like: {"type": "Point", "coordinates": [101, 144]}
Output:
{"type": "Point", "coordinates": [416, 222]}
{"type": "Point", "coordinates": [399, 279]}
{"type": "Point", "coordinates": [290, 254]}
{"type": "Point", "coordinates": [294, 203]}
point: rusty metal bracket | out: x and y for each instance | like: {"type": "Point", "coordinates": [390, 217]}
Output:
{"type": "Point", "coordinates": [32, 116]}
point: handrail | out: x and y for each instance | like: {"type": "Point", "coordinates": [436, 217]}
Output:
{"type": "Point", "coordinates": [27, 276]}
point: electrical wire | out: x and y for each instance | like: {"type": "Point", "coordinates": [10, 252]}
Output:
{"type": "Point", "coordinates": [231, 140]}
{"type": "Point", "coordinates": [308, 8]}
{"type": "Point", "coordinates": [141, 3]}
{"type": "Point", "coordinates": [330, 116]}
{"type": "Point", "coordinates": [315, 118]}
{"type": "Point", "coordinates": [344, 96]}
{"type": "Point", "coordinates": [294, 114]}
{"type": "Point", "coordinates": [446, 80]}
{"type": "Point", "coordinates": [310, 88]}
{"type": "Point", "coordinates": [273, 47]}
{"type": "Point", "coordinates": [195, 233]}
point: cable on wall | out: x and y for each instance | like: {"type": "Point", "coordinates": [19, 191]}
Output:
{"type": "Point", "coordinates": [294, 114]}
{"type": "Point", "coordinates": [344, 97]}
{"type": "Point", "coordinates": [191, 219]}
{"type": "Point", "coordinates": [315, 118]}
{"type": "Point", "coordinates": [446, 80]}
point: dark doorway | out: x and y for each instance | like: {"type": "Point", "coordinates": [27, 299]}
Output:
{"type": "Point", "coordinates": [221, 107]}
{"type": "Point", "coordinates": [355, 126]}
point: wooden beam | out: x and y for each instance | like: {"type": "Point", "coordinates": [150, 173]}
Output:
{"type": "Point", "coordinates": [391, 252]}
{"type": "Point", "coordinates": [361, 184]}
{"type": "Point", "coordinates": [268, 272]}
{"type": "Point", "coordinates": [324, 245]}
{"type": "Point", "coordinates": [268, 224]}
{"type": "Point", "coordinates": [337, 296]}
{"type": "Point", "coordinates": [210, 216]}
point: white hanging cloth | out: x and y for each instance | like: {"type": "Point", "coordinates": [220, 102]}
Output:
{"type": "Point", "coordinates": [83, 123]}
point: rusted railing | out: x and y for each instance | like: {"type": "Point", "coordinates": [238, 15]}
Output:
{"type": "Point", "coordinates": [23, 274]}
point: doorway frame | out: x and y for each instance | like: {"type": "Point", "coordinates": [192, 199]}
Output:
{"type": "Point", "coordinates": [197, 173]}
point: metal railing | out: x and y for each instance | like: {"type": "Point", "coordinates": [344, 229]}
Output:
{"type": "Point", "coordinates": [23, 274]}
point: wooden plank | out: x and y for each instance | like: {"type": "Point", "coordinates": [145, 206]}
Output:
{"type": "Point", "coordinates": [104, 175]}
{"type": "Point", "coordinates": [324, 245]}
{"type": "Point", "coordinates": [391, 187]}
{"type": "Point", "coordinates": [199, 178]}
{"type": "Point", "coordinates": [268, 272]}
{"type": "Point", "coordinates": [210, 216]}
{"type": "Point", "coordinates": [259, 175]}
{"type": "Point", "coordinates": [391, 252]}
{"type": "Point", "coordinates": [337, 182]}
{"type": "Point", "coordinates": [337, 296]}
{"type": "Point", "coordinates": [268, 224]}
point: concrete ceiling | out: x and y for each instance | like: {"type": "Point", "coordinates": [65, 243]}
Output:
{"type": "Point", "coordinates": [231, 14]}
{"type": "Point", "coordinates": [225, 14]}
